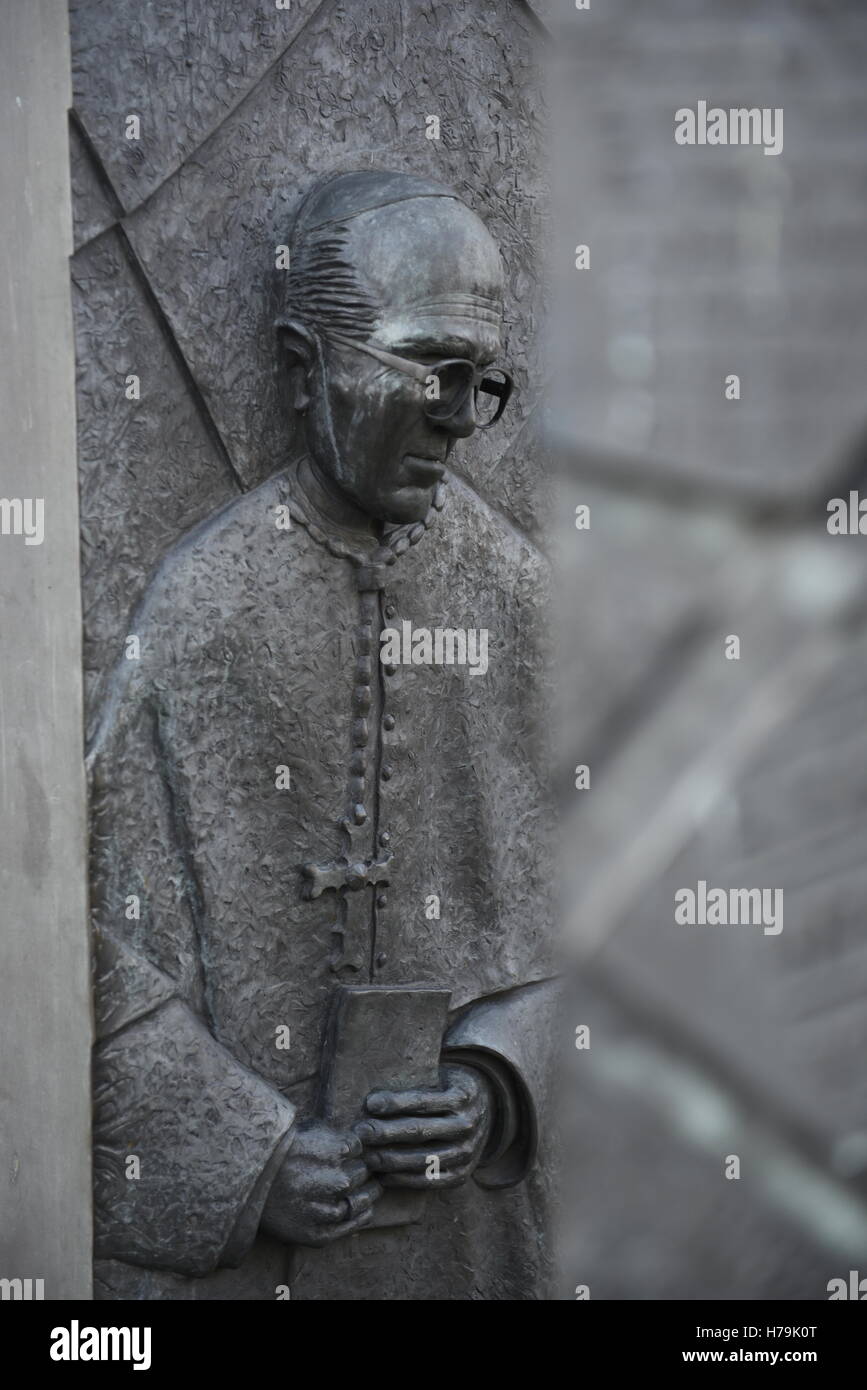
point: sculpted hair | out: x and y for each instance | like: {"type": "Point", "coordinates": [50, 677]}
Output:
{"type": "Point", "coordinates": [323, 288]}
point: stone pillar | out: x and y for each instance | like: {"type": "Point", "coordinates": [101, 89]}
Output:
{"type": "Point", "coordinates": [45, 1218]}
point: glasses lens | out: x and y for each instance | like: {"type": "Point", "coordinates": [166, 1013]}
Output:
{"type": "Point", "coordinates": [491, 396]}
{"type": "Point", "coordinates": [454, 381]}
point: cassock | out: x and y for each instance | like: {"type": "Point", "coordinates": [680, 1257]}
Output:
{"type": "Point", "coordinates": [277, 813]}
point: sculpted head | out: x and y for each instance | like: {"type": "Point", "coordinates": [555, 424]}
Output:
{"type": "Point", "coordinates": [400, 265]}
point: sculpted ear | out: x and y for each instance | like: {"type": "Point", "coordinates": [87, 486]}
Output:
{"type": "Point", "coordinates": [297, 355]}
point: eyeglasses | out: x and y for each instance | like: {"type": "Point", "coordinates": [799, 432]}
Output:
{"type": "Point", "coordinates": [456, 377]}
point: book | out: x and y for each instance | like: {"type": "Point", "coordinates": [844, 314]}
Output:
{"type": "Point", "coordinates": [381, 1038]}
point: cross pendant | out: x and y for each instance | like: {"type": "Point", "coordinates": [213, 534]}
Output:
{"type": "Point", "coordinates": [348, 876]}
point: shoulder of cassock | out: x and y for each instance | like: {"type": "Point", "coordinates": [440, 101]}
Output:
{"type": "Point", "coordinates": [239, 559]}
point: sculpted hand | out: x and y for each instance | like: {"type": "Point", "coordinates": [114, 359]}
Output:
{"type": "Point", "coordinates": [323, 1189]}
{"type": "Point", "coordinates": [407, 1129]}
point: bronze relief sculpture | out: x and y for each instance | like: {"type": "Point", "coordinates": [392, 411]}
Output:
{"type": "Point", "coordinates": [321, 880]}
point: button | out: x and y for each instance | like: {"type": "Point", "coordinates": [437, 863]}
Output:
{"type": "Point", "coordinates": [388, 722]}
{"type": "Point", "coordinates": [386, 773]}
{"type": "Point", "coordinates": [389, 669]}
{"type": "Point", "coordinates": [381, 959]}
{"type": "Point", "coordinates": [382, 900]}
{"type": "Point", "coordinates": [385, 838]}
{"type": "Point", "coordinates": [390, 610]}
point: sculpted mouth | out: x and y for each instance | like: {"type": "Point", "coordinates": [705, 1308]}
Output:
{"type": "Point", "coordinates": [421, 471]}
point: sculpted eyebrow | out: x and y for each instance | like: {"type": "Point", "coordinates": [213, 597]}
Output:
{"type": "Point", "coordinates": [439, 347]}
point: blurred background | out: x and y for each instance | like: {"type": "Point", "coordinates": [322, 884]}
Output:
{"type": "Point", "coordinates": [707, 520]}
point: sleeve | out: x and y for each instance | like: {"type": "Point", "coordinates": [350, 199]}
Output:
{"type": "Point", "coordinates": [508, 1038]}
{"type": "Point", "coordinates": [186, 1139]}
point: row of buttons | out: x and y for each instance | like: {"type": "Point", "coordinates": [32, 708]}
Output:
{"type": "Point", "coordinates": [388, 722]}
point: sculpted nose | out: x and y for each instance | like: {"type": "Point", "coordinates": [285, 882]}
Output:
{"type": "Point", "coordinates": [463, 422]}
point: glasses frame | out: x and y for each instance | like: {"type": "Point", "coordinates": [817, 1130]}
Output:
{"type": "Point", "coordinates": [501, 389]}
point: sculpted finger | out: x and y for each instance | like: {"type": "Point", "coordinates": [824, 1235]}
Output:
{"type": "Point", "coordinates": [314, 1182]}
{"type": "Point", "coordinates": [325, 1182]}
{"type": "Point", "coordinates": [458, 1079]}
{"type": "Point", "coordinates": [419, 1183]}
{"type": "Point", "coordinates": [326, 1144]}
{"type": "Point", "coordinates": [327, 1212]}
{"type": "Point", "coordinates": [429, 1101]}
{"type": "Point", "coordinates": [343, 1209]}
{"type": "Point", "coordinates": [416, 1160]}
{"type": "Point", "coordinates": [348, 1228]}
{"type": "Point", "coordinates": [362, 1200]}
{"type": "Point", "coordinates": [351, 1146]}
{"type": "Point", "coordinates": [417, 1130]}
{"type": "Point", "coordinates": [350, 1176]}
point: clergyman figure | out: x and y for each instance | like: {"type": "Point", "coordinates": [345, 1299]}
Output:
{"type": "Point", "coordinates": [321, 884]}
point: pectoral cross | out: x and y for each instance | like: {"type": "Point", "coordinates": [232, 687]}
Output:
{"type": "Point", "coordinates": [348, 875]}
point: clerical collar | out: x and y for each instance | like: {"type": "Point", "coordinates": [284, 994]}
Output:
{"type": "Point", "coordinates": [342, 528]}
{"type": "Point", "coordinates": [333, 510]}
